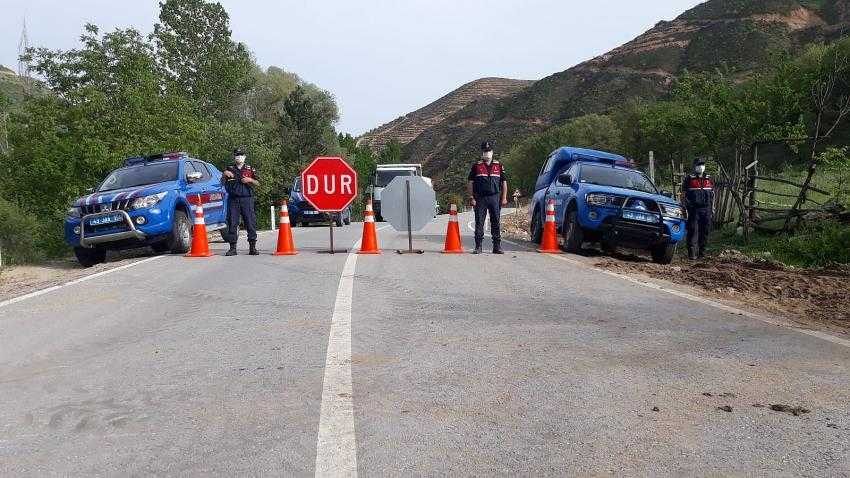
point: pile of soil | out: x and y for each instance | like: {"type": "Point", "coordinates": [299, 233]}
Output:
{"type": "Point", "coordinates": [818, 297]}
{"type": "Point", "coordinates": [804, 295]}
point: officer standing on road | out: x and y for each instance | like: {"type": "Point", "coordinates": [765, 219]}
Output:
{"type": "Point", "coordinates": [488, 190]}
{"type": "Point", "coordinates": [239, 181]}
{"type": "Point", "coordinates": [698, 194]}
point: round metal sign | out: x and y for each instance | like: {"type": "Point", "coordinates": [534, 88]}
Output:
{"type": "Point", "coordinates": [394, 203]}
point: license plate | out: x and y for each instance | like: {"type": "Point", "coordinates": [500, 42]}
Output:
{"type": "Point", "coordinates": [311, 212]}
{"type": "Point", "coordinates": [99, 221]}
{"type": "Point", "coordinates": [640, 216]}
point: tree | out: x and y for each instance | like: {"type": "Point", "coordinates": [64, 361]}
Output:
{"type": "Point", "coordinates": [524, 160]}
{"type": "Point", "coordinates": [197, 54]}
{"type": "Point", "coordinates": [306, 126]}
{"type": "Point", "coordinates": [391, 153]}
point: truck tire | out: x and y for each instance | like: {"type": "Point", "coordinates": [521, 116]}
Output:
{"type": "Point", "coordinates": [536, 228]}
{"type": "Point", "coordinates": [573, 235]}
{"type": "Point", "coordinates": [338, 220]}
{"type": "Point", "coordinates": [89, 257]}
{"type": "Point", "coordinates": [663, 254]}
{"type": "Point", "coordinates": [347, 220]}
{"type": "Point", "coordinates": [180, 239]}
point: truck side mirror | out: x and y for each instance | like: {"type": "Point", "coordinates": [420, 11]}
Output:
{"type": "Point", "coordinates": [193, 176]}
{"type": "Point", "coordinates": [565, 178]}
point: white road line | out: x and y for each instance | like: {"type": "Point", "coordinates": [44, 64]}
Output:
{"type": "Point", "coordinates": [684, 295]}
{"type": "Point", "coordinates": [76, 281]}
{"type": "Point", "coordinates": [336, 447]}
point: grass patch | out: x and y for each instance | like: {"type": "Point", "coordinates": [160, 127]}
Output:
{"type": "Point", "coordinates": [814, 245]}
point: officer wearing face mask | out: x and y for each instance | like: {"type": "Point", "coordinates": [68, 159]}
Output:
{"type": "Point", "coordinates": [240, 180]}
{"type": "Point", "coordinates": [698, 194]}
{"type": "Point", "coordinates": [488, 190]}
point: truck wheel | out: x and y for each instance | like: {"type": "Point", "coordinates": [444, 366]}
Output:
{"type": "Point", "coordinates": [663, 254]}
{"type": "Point", "coordinates": [573, 235]}
{"type": "Point", "coordinates": [89, 257]}
{"type": "Point", "coordinates": [338, 220]}
{"type": "Point", "coordinates": [347, 220]}
{"type": "Point", "coordinates": [536, 229]}
{"type": "Point", "coordinates": [181, 235]}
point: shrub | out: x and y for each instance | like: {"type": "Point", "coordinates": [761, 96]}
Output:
{"type": "Point", "coordinates": [19, 234]}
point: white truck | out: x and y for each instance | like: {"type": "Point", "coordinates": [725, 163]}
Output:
{"type": "Point", "coordinates": [384, 173]}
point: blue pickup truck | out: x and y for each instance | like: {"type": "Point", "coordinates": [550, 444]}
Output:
{"type": "Point", "coordinates": [147, 202]}
{"type": "Point", "coordinates": [600, 197]}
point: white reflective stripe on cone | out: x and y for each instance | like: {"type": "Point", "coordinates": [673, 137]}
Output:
{"type": "Point", "coordinates": [284, 219]}
{"type": "Point", "coordinates": [369, 206]}
{"type": "Point", "coordinates": [369, 219]}
{"type": "Point", "coordinates": [453, 209]}
{"type": "Point", "coordinates": [550, 218]}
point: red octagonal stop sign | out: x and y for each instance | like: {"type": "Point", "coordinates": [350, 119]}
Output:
{"type": "Point", "coordinates": [329, 184]}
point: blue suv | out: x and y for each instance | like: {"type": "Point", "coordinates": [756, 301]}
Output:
{"type": "Point", "coordinates": [600, 197]}
{"type": "Point", "coordinates": [147, 202]}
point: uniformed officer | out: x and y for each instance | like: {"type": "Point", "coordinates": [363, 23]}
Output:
{"type": "Point", "coordinates": [488, 190]}
{"type": "Point", "coordinates": [698, 194]}
{"type": "Point", "coordinates": [240, 180]}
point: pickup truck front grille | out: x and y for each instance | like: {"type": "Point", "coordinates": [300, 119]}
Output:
{"type": "Point", "coordinates": [122, 205]}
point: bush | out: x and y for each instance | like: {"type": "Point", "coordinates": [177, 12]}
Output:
{"type": "Point", "coordinates": [814, 245]}
{"type": "Point", "coordinates": [19, 234]}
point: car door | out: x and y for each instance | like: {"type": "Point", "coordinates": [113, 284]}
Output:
{"type": "Point", "coordinates": [211, 194]}
{"type": "Point", "coordinates": [562, 193]}
{"type": "Point", "coordinates": [195, 189]}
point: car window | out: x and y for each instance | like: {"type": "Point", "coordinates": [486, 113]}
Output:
{"type": "Point", "coordinates": [296, 185]}
{"type": "Point", "coordinates": [383, 178]}
{"type": "Point", "coordinates": [618, 178]}
{"type": "Point", "coordinates": [141, 175]}
{"type": "Point", "coordinates": [202, 168]}
{"type": "Point", "coordinates": [549, 164]}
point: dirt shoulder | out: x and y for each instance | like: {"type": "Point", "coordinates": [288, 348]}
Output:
{"type": "Point", "coordinates": [812, 298]}
{"type": "Point", "coordinates": [20, 280]}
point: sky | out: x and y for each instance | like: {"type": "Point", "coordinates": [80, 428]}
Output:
{"type": "Point", "coordinates": [379, 58]}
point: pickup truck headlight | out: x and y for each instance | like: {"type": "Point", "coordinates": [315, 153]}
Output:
{"type": "Point", "coordinates": [669, 210]}
{"type": "Point", "coordinates": [599, 199]}
{"type": "Point", "coordinates": [148, 201]}
{"type": "Point", "coordinates": [74, 211]}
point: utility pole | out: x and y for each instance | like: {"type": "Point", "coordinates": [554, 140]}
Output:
{"type": "Point", "coordinates": [23, 66]}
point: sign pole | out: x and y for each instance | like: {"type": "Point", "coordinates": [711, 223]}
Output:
{"type": "Point", "coordinates": [409, 224]}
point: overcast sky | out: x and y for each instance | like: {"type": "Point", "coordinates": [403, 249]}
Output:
{"type": "Point", "coordinates": [380, 58]}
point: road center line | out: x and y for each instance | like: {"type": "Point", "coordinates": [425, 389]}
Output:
{"type": "Point", "coordinates": [693, 298]}
{"type": "Point", "coordinates": [336, 446]}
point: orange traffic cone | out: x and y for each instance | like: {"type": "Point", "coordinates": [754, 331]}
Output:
{"type": "Point", "coordinates": [285, 244]}
{"type": "Point", "coordinates": [549, 244]}
{"type": "Point", "coordinates": [369, 244]}
{"type": "Point", "coordinates": [453, 244]}
{"type": "Point", "coordinates": [200, 245]}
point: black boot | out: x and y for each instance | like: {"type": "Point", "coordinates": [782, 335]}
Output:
{"type": "Point", "coordinates": [692, 255]}
{"type": "Point", "coordinates": [701, 253]}
{"type": "Point", "coordinates": [252, 249]}
{"type": "Point", "coordinates": [497, 248]}
{"type": "Point", "coordinates": [477, 249]}
{"type": "Point", "coordinates": [232, 251]}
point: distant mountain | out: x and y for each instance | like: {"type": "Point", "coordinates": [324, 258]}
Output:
{"type": "Point", "coordinates": [6, 71]}
{"type": "Point", "coordinates": [739, 34]}
{"type": "Point", "coordinates": [406, 128]}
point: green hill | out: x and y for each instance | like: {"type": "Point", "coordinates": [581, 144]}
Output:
{"type": "Point", "coordinates": [737, 34]}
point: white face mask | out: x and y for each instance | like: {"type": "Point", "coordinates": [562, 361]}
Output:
{"type": "Point", "coordinates": [240, 160]}
{"type": "Point", "coordinates": [487, 156]}
{"type": "Point", "coordinates": [699, 169]}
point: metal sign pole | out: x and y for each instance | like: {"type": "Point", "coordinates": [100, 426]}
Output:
{"type": "Point", "coordinates": [332, 250]}
{"type": "Point", "coordinates": [410, 249]}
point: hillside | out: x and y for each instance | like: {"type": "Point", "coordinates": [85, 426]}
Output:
{"type": "Point", "coordinates": [739, 34]}
{"type": "Point", "coordinates": [12, 87]}
{"type": "Point", "coordinates": [406, 128]}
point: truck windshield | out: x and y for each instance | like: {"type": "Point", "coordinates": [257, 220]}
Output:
{"type": "Point", "coordinates": [141, 175]}
{"type": "Point", "coordinates": [383, 178]}
{"type": "Point", "coordinates": [618, 178]}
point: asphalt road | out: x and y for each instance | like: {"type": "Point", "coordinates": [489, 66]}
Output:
{"type": "Point", "coordinates": [400, 365]}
